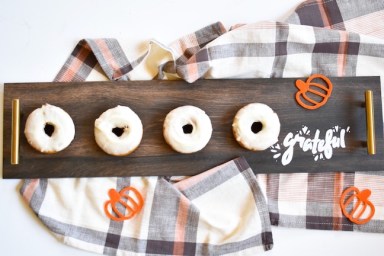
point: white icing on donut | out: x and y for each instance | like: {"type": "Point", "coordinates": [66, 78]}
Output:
{"type": "Point", "coordinates": [251, 113]}
{"type": "Point", "coordinates": [119, 117]}
{"type": "Point", "coordinates": [187, 142]}
{"type": "Point", "coordinates": [62, 136]}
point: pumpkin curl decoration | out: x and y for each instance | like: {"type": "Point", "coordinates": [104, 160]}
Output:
{"type": "Point", "coordinates": [131, 206]}
{"type": "Point", "coordinates": [359, 208]}
{"type": "Point", "coordinates": [312, 95]}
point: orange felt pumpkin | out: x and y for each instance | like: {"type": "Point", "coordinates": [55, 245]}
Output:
{"type": "Point", "coordinates": [362, 202]}
{"type": "Point", "coordinates": [132, 206]}
{"type": "Point", "coordinates": [313, 95]}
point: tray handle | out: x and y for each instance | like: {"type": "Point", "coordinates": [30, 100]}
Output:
{"type": "Point", "coordinates": [370, 123]}
{"type": "Point", "coordinates": [15, 131]}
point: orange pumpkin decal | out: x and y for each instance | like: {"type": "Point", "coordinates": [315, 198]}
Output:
{"type": "Point", "coordinates": [362, 202]}
{"type": "Point", "coordinates": [313, 95]}
{"type": "Point", "coordinates": [131, 205]}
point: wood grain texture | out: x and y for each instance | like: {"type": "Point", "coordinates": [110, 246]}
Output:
{"type": "Point", "coordinates": [220, 99]}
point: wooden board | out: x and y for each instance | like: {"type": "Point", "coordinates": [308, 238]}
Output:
{"type": "Point", "coordinates": [221, 99]}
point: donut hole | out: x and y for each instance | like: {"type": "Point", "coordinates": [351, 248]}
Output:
{"type": "Point", "coordinates": [256, 127]}
{"type": "Point", "coordinates": [187, 129]}
{"type": "Point", "coordinates": [49, 129]}
{"type": "Point", "coordinates": [118, 131]}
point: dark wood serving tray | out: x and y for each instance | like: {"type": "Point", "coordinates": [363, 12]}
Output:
{"type": "Point", "coordinates": [221, 99]}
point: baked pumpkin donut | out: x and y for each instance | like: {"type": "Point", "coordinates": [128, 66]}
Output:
{"type": "Point", "coordinates": [187, 129]}
{"type": "Point", "coordinates": [49, 129]}
{"type": "Point", "coordinates": [118, 131]}
{"type": "Point", "coordinates": [256, 127]}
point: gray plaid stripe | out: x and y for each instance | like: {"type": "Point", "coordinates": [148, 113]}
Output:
{"type": "Point", "coordinates": [349, 178]}
{"type": "Point", "coordinates": [333, 12]}
{"type": "Point", "coordinates": [209, 33]}
{"type": "Point", "coordinates": [84, 71]}
{"type": "Point", "coordinates": [281, 51]}
{"type": "Point", "coordinates": [316, 222]}
{"type": "Point", "coordinates": [375, 226]}
{"type": "Point", "coordinates": [295, 48]}
{"type": "Point", "coordinates": [187, 54]}
{"type": "Point", "coordinates": [353, 49]}
{"type": "Point", "coordinates": [349, 11]}
{"type": "Point", "coordinates": [327, 48]}
{"type": "Point", "coordinates": [273, 186]}
{"type": "Point", "coordinates": [374, 50]}
{"type": "Point", "coordinates": [241, 164]}
{"type": "Point", "coordinates": [203, 56]}
{"type": "Point", "coordinates": [262, 207]}
{"type": "Point", "coordinates": [100, 59]}
{"type": "Point", "coordinates": [332, 36]}
{"type": "Point", "coordinates": [309, 15]}
{"type": "Point", "coordinates": [273, 207]}
{"type": "Point", "coordinates": [86, 67]}
{"type": "Point", "coordinates": [112, 241]}
{"type": "Point", "coordinates": [192, 225]}
{"type": "Point", "coordinates": [289, 221]}
{"type": "Point", "coordinates": [130, 244]}
{"type": "Point", "coordinates": [160, 247]}
{"type": "Point", "coordinates": [325, 57]}
{"type": "Point", "coordinates": [203, 37]}
{"type": "Point", "coordinates": [163, 213]}
{"type": "Point", "coordinates": [118, 57]}
{"type": "Point", "coordinates": [322, 222]}
{"type": "Point", "coordinates": [227, 172]}
{"type": "Point", "coordinates": [38, 196]}
{"type": "Point", "coordinates": [320, 209]}
{"type": "Point", "coordinates": [320, 188]}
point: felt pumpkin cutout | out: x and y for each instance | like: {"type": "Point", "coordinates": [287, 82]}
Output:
{"type": "Point", "coordinates": [131, 206]}
{"type": "Point", "coordinates": [362, 203]}
{"type": "Point", "coordinates": [312, 95]}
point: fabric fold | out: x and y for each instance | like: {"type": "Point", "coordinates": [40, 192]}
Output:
{"type": "Point", "coordinates": [220, 211]}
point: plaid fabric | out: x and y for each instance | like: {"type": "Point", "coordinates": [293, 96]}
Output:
{"type": "Point", "coordinates": [221, 211]}
{"type": "Point", "coordinates": [336, 38]}
{"type": "Point", "coordinates": [85, 56]}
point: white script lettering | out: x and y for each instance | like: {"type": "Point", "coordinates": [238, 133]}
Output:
{"type": "Point", "coordinates": [321, 148]}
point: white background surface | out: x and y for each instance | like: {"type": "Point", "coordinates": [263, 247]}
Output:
{"type": "Point", "coordinates": [37, 37]}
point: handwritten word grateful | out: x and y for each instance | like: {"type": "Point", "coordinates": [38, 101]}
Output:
{"type": "Point", "coordinates": [321, 148]}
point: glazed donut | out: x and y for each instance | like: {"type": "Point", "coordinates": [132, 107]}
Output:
{"type": "Point", "coordinates": [187, 129]}
{"type": "Point", "coordinates": [256, 126]}
{"type": "Point", "coordinates": [49, 129]}
{"type": "Point", "coordinates": [118, 131]}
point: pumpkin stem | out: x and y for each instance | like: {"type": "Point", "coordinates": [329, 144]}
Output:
{"type": "Point", "coordinates": [301, 85]}
{"type": "Point", "coordinates": [114, 195]}
{"type": "Point", "coordinates": [363, 195]}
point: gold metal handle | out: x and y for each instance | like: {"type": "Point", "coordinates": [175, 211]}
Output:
{"type": "Point", "coordinates": [15, 131]}
{"type": "Point", "coordinates": [370, 119]}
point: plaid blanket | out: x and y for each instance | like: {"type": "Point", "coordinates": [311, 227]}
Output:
{"type": "Point", "coordinates": [192, 216]}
